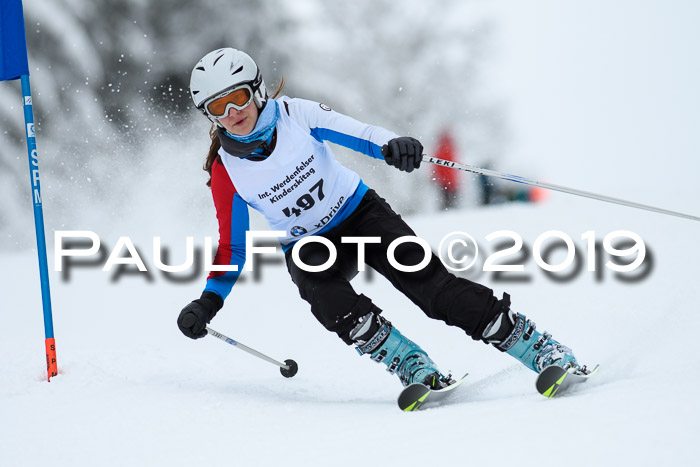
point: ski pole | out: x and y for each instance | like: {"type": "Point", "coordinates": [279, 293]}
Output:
{"type": "Point", "coordinates": [288, 368]}
{"type": "Point", "coordinates": [551, 186]}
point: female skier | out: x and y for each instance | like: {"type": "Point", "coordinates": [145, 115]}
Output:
{"type": "Point", "coordinates": [272, 154]}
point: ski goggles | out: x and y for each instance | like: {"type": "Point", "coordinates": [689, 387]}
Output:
{"type": "Point", "coordinates": [238, 97]}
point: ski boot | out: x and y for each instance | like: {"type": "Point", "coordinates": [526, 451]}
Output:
{"type": "Point", "coordinates": [515, 335]}
{"type": "Point", "coordinates": [376, 336]}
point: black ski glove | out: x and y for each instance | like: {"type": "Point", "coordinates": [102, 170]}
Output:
{"type": "Point", "coordinates": [404, 153]}
{"type": "Point", "coordinates": [194, 317]}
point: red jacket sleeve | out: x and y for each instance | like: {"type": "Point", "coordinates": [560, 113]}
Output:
{"type": "Point", "coordinates": [234, 222]}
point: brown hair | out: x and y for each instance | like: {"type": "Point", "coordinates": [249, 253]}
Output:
{"type": "Point", "coordinates": [216, 144]}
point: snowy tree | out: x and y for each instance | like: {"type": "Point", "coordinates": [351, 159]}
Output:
{"type": "Point", "coordinates": [110, 80]}
{"type": "Point", "coordinates": [408, 66]}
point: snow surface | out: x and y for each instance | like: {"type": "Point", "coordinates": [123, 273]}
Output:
{"type": "Point", "coordinates": [133, 391]}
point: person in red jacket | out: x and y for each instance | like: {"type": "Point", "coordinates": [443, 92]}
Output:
{"type": "Point", "coordinates": [445, 177]}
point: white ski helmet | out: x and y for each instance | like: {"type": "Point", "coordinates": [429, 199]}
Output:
{"type": "Point", "coordinates": [219, 71]}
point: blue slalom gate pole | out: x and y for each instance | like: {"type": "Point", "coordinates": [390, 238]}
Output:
{"type": "Point", "coordinates": [51, 364]}
{"type": "Point", "coordinates": [14, 64]}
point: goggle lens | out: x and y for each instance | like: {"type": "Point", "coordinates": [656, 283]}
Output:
{"type": "Point", "coordinates": [239, 98]}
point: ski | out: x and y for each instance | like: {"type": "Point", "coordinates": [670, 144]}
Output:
{"type": "Point", "coordinates": [415, 396]}
{"type": "Point", "coordinates": [555, 380]}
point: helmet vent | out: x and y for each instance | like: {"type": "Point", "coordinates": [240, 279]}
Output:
{"type": "Point", "coordinates": [200, 68]}
{"type": "Point", "coordinates": [217, 59]}
{"type": "Point", "coordinates": [240, 68]}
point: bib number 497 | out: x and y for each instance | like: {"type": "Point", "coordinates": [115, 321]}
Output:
{"type": "Point", "coordinates": [306, 201]}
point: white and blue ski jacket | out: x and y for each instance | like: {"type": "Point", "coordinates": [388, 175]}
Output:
{"type": "Point", "coordinates": [300, 188]}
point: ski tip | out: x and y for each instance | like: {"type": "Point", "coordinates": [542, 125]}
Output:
{"type": "Point", "coordinates": [552, 390]}
{"type": "Point", "coordinates": [416, 405]}
{"type": "Point", "coordinates": [553, 379]}
{"type": "Point", "coordinates": [413, 396]}
{"type": "Point", "coordinates": [417, 395]}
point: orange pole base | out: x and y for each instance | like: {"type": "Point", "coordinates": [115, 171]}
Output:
{"type": "Point", "coordinates": [51, 364]}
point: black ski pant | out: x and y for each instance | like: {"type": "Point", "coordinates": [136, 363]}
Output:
{"type": "Point", "coordinates": [440, 294]}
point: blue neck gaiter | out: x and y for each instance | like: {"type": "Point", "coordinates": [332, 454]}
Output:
{"type": "Point", "coordinates": [264, 126]}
